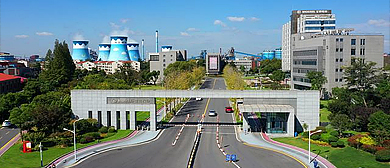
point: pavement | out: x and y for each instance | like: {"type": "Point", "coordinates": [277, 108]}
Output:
{"type": "Point", "coordinates": [8, 137]}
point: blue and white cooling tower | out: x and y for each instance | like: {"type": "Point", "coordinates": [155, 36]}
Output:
{"type": "Point", "coordinates": [118, 50]}
{"type": "Point", "coordinates": [133, 49]}
{"type": "Point", "coordinates": [166, 48]}
{"type": "Point", "coordinates": [104, 51]}
{"type": "Point", "coordinates": [80, 50]}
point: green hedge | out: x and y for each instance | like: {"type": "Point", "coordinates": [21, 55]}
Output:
{"type": "Point", "coordinates": [383, 155]}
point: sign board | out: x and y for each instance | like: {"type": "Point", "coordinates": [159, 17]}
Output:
{"type": "Point", "coordinates": [213, 62]}
{"type": "Point", "coordinates": [131, 100]}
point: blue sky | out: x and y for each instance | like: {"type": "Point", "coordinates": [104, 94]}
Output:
{"type": "Point", "coordinates": [31, 26]}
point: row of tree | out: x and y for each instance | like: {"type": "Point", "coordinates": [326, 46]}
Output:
{"type": "Point", "coordinates": [233, 78]}
{"type": "Point", "coordinates": [183, 75]}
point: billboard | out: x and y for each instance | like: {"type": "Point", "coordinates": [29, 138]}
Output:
{"type": "Point", "coordinates": [213, 63]}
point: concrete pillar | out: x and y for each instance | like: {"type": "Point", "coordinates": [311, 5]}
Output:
{"type": "Point", "coordinates": [291, 123]}
{"type": "Point", "coordinates": [153, 119]}
{"type": "Point", "coordinates": [245, 124]}
{"type": "Point", "coordinates": [133, 120]}
{"type": "Point", "coordinates": [123, 120]}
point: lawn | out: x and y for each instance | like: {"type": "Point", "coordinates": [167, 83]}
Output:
{"type": "Point", "coordinates": [324, 112]}
{"type": "Point", "coordinates": [142, 115]}
{"type": "Point", "coordinates": [340, 157]}
{"type": "Point", "coordinates": [149, 87]}
{"type": "Point", "coordinates": [15, 158]}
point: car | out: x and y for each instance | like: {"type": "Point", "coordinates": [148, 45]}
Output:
{"type": "Point", "coordinates": [228, 109]}
{"type": "Point", "coordinates": [6, 123]}
{"type": "Point", "coordinates": [198, 99]}
{"type": "Point", "coordinates": [212, 113]}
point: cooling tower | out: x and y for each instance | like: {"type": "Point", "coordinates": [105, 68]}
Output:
{"type": "Point", "coordinates": [133, 50]}
{"type": "Point", "coordinates": [80, 50]}
{"type": "Point", "coordinates": [118, 50]}
{"type": "Point", "coordinates": [104, 52]}
{"type": "Point", "coordinates": [166, 48]}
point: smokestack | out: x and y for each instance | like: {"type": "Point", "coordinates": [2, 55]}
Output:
{"type": "Point", "coordinates": [143, 50]}
{"type": "Point", "coordinates": [156, 41]}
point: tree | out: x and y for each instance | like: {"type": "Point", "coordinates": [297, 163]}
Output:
{"type": "Point", "coordinates": [361, 76]}
{"type": "Point", "coordinates": [277, 75]}
{"type": "Point", "coordinates": [379, 126]}
{"type": "Point", "coordinates": [9, 101]}
{"type": "Point", "coordinates": [317, 80]}
{"type": "Point", "coordinates": [19, 116]}
{"type": "Point", "coordinates": [154, 76]}
{"type": "Point", "coordinates": [60, 68]}
{"type": "Point", "coordinates": [269, 66]}
{"type": "Point", "coordinates": [340, 122]}
{"type": "Point", "coordinates": [242, 68]}
{"type": "Point", "coordinates": [128, 74]}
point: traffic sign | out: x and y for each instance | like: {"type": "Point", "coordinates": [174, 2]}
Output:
{"type": "Point", "coordinates": [228, 158]}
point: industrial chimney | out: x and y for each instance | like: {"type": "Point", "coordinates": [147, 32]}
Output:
{"type": "Point", "coordinates": [156, 41]}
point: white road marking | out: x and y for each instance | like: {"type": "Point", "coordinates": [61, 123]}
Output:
{"type": "Point", "coordinates": [7, 133]}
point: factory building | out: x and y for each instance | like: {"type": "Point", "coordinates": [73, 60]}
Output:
{"type": "Point", "coordinates": [109, 67]}
{"type": "Point", "coordinates": [329, 52]}
{"type": "Point", "coordinates": [160, 61]}
{"type": "Point", "coordinates": [304, 21]}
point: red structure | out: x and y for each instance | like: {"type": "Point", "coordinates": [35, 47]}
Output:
{"type": "Point", "coordinates": [27, 147]}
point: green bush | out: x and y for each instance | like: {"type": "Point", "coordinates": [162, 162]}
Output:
{"type": "Point", "coordinates": [333, 144]}
{"type": "Point", "coordinates": [325, 137]}
{"type": "Point", "coordinates": [86, 139]}
{"type": "Point", "coordinates": [111, 130]}
{"type": "Point", "coordinates": [87, 125]}
{"type": "Point", "coordinates": [383, 155]}
{"type": "Point", "coordinates": [94, 135]}
{"type": "Point", "coordinates": [65, 142]}
{"type": "Point", "coordinates": [340, 144]}
{"type": "Point", "coordinates": [34, 137]}
{"type": "Point", "coordinates": [104, 129]}
{"type": "Point", "coordinates": [334, 133]}
{"type": "Point", "coordinates": [49, 142]}
{"type": "Point", "coordinates": [316, 136]}
{"type": "Point", "coordinates": [332, 139]}
{"type": "Point", "coordinates": [305, 134]}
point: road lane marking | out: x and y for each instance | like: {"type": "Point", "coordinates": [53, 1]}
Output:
{"type": "Point", "coordinates": [7, 133]}
{"type": "Point", "coordinates": [9, 142]}
{"type": "Point", "coordinates": [208, 101]}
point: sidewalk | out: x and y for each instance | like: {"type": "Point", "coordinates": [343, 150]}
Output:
{"type": "Point", "coordinates": [297, 153]}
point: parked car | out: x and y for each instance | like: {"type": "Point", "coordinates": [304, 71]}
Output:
{"type": "Point", "coordinates": [6, 123]}
{"type": "Point", "coordinates": [228, 109]}
{"type": "Point", "coordinates": [198, 99]}
{"type": "Point", "coordinates": [212, 113]}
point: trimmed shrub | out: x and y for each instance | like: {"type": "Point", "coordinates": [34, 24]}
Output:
{"type": "Point", "coordinates": [49, 142]}
{"type": "Point", "coordinates": [83, 140]}
{"type": "Point", "coordinates": [315, 136]}
{"type": "Point", "coordinates": [366, 140]}
{"type": "Point", "coordinates": [332, 139]}
{"type": "Point", "coordinates": [340, 144]}
{"type": "Point", "coordinates": [89, 139]}
{"type": "Point", "coordinates": [94, 135]}
{"type": "Point", "coordinates": [383, 155]}
{"type": "Point", "coordinates": [334, 133]}
{"type": "Point", "coordinates": [353, 141]}
{"type": "Point", "coordinates": [325, 137]}
{"type": "Point", "coordinates": [104, 129]}
{"type": "Point", "coordinates": [65, 142]}
{"type": "Point", "coordinates": [333, 144]}
{"type": "Point", "coordinates": [369, 148]}
{"type": "Point", "coordinates": [386, 143]}
{"type": "Point", "coordinates": [111, 130]}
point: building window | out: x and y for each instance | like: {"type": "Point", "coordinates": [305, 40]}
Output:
{"type": "Point", "coordinates": [163, 65]}
{"type": "Point", "coordinates": [154, 58]}
{"type": "Point", "coordinates": [337, 60]}
{"type": "Point", "coordinates": [89, 114]}
{"type": "Point", "coordinates": [163, 55]}
{"type": "Point", "coordinates": [337, 49]}
{"type": "Point", "coordinates": [163, 60]}
{"type": "Point", "coordinates": [127, 119]}
{"type": "Point", "coordinates": [108, 118]}
{"type": "Point", "coordinates": [337, 70]}
{"type": "Point", "coordinates": [353, 41]}
{"type": "Point", "coordinates": [337, 39]}
{"type": "Point", "coordinates": [341, 70]}
{"type": "Point", "coordinates": [362, 41]}
{"type": "Point", "coordinates": [99, 117]}
{"type": "Point", "coordinates": [341, 49]}
{"type": "Point", "coordinates": [341, 60]}
{"type": "Point", "coordinates": [118, 120]}
{"type": "Point", "coordinates": [353, 51]}
{"type": "Point", "coordinates": [341, 40]}
{"type": "Point", "coordinates": [171, 55]}
{"type": "Point", "coordinates": [336, 80]}
{"type": "Point", "coordinates": [340, 80]}
{"type": "Point", "coordinates": [171, 59]}
{"type": "Point", "coordinates": [363, 51]}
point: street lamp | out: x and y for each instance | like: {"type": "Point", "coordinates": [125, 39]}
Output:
{"type": "Point", "coordinates": [74, 137]}
{"type": "Point", "coordinates": [309, 140]}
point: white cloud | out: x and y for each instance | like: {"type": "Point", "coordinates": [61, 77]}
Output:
{"type": "Point", "coordinates": [106, 39]}
{"type": "Point", "coordinates": [254, 19]}
{"type": "Point", "coordinates": [114, 25]}
{"type": "Point", "coordinates": [124, 32]}
{"type": "Point", "coordinates": [21, 36]}
{"type": "Point", "coordinates": [219, 22]}
{"type": "Point", "coordinates": [379, 22]}
{"type": "Point", "coordinates": [191, 29]}
{"type": "Point", "coordinates": [184, 34]}
{"type": "Point", "coordinates": [44, 33]}
{"type": "Point", "coordinates": [78, 36]}
{"type": "Point", "coordinates": [236, 19]}
{"type": "Point", "coordinates": [124, 20]}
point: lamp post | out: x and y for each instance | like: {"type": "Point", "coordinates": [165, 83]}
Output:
{"type": "Point", "coordinates": [309, 156]}
{"type": "Point", "coordinates": [74, 138]}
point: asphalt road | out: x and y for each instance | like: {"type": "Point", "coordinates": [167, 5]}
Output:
{"type": "Point", "coordinates": [6, 134]}
{"type": "Point", "coordinates": [161, 153]}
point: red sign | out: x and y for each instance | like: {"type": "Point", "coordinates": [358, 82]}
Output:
{"type": "Point", "coordinates": [27, 147]}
